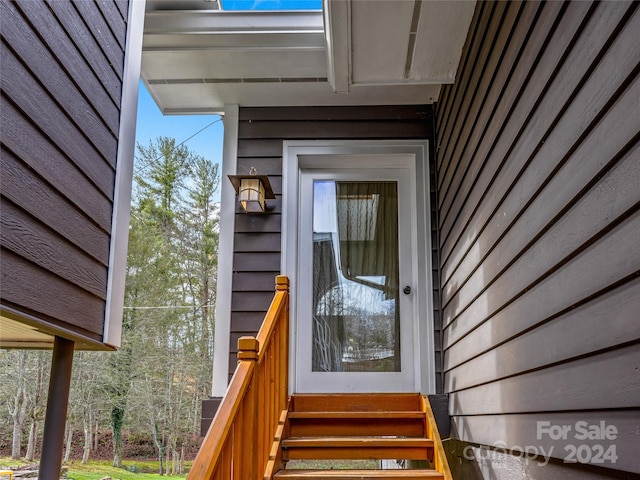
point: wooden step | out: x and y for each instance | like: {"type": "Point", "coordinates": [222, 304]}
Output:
{"type": "Point", "coordinates": [356, 402]}
{"type": "Point", "coordinates": [315, 424]}
{"type": "Point", "coordinates": [354, 448]}
{"type": "Point", "coordinates": [358, 474]}
{"type": "Point", "coordinates": [349, 415]}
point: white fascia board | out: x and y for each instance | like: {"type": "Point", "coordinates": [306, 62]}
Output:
{"type": "Point", "coordinates": [235, 42]}
{"type": "Point", "coordinates": [220, 21]}
{"type": "Point", "coordinates": [124, 176]}
{"type": "Point", "coordinates": [225, 253]}
{"type": "Point", "coordinates": [337, 19]}
{"type": "Point", "coordinates": [210, 98]}
{"type": "Point", "coordinates": [393, 82]}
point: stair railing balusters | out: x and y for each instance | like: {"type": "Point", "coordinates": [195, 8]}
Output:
{"type": "Point", "coordinates": [239, 439]}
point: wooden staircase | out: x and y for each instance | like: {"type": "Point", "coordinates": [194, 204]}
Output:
{"type": "Point", "coordinates": [357, 426]}
{"type": "Point", "coordinates": [258, 429]}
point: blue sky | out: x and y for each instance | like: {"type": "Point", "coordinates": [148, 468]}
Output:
{"type": "Point", "coordinates": [271, 4]}
{"type": "Point", "coordinates": [151, 124]}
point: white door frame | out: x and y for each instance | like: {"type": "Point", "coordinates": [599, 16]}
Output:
{"type": "Point", "coordinates": [382, 153]}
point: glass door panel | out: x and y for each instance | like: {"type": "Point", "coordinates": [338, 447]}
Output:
{"type": "Point", "coordinates": [354, 326]}
{"type": "Point", "coordinates": [356, 322]}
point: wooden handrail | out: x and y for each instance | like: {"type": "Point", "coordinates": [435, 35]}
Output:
{"type": "Point", "coordinates": [239, 439]}
{"type": "Point", "coordinates": [439, 457]}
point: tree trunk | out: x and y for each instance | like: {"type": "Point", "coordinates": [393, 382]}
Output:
{"type": "Point", "coordinates": [195, 408]}
{"type": "Point", "coordinates": [159, 446]}
{"type": "Point", "coordinates": [36, 409]}
{"type": "Point", "coordinates": [87, 439]}
{"type": "Point", "coordinates": [18, 425]}
{"type": "Point", "coordinates": [95, 436]}
{"type": "Point", "coordinates": [67, 451]}
{"type": "Point", "coordinates": [33, 440]}
{"type": "Point", "coordinates": [19, 407]}
{"type": "Point", "coordinates": [117, 419]}
{"type": "Point", "coordinates": [174, 461]}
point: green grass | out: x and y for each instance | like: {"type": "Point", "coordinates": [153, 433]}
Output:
{"type": "Point", "coordinates": [96, 470]}
{"type": "Point", "coordinates": [333, 464]}
{"type": "Point", "coordinates": [8, 462]}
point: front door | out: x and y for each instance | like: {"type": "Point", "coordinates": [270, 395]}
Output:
{"type": "Point", "coordinates": [355, 317]}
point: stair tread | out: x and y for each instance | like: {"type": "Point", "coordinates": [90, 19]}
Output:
{"type": "Point", "coordinates": [357, 474]}
{"type": "Point", "coordinates": [333, 442]}
{"type": "Point", "coordinates": [357, 402]}
{"type": "Point", "coordinates": [349, 415]}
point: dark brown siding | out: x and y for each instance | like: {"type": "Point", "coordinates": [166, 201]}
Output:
{"type": "Point", "coordinates": [62, 69]}
{"type": "Point", "coordinates": [538, 169]}
{"type": "Point", "coordinates": [256, 259]}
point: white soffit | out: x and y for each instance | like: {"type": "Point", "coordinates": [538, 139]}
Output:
{"type": "Point", "coordinates": [442, 31]}
{"type": "Point", "coordinates": [196, 98]}
{"type": "Point", "coordinates": [14, 334]}
{"type": "Point", "coordinates": [379, 40]}
{"type": "Point", "coordinates": [374, 52]}
{"type": "Point", "coordinates": [396, 42]}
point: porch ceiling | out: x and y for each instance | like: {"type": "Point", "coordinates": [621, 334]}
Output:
{"type": "Point", "coordinates": [14, 334]}
{"type": "Point", "coordinates": [197, 58]}
{"type": "Point", "coordinates": [17, 331]}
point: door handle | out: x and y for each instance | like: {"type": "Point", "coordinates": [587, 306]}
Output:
{"type": "Point", "coordinates": [406, 290]}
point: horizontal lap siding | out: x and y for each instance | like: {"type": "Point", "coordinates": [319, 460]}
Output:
{"type": "Point", "coordinates": [62, 67]}
{"type": "Point", "coordinates": [539, 217]}
{"type": "Point", "coordinates": [257, 240]}
{"type": "Point", "coordinates": [520, 428]}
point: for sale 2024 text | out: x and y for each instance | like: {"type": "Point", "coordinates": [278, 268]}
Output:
{"type": "Point", "coordinates": [587, 442]}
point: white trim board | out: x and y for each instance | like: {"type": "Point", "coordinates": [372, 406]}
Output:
{"type": "Point", "coordinates": [124, 175]}
{"type": "Point", "coordinates": [225, 254]}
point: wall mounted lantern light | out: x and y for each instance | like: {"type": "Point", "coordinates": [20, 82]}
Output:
{"type": "Point", "coordinates": [253, 190]}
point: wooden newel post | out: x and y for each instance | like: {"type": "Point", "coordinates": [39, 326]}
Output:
{"type": "Point", "coordinates": [248, 348]}
{"type": "Point", "coordinates": [282, 283]}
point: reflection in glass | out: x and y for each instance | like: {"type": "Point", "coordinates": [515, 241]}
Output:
{"type": "Point", "coordinates": [355, 277]}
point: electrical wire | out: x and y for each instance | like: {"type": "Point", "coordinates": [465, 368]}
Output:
{"type": "Point", "coordinates": [179, 145]}
{"type": "Point", "coordinates": [159, 307]}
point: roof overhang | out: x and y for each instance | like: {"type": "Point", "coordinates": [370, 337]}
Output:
{"type": "Point", "coordinates": [354, 52]}
{"type": "Point", "coordinates": [22, 331]}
